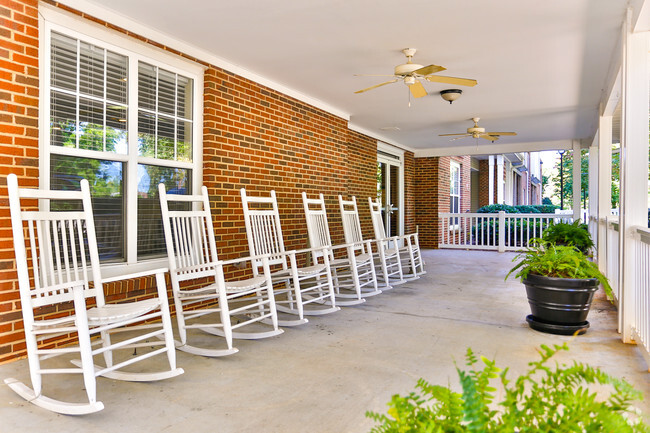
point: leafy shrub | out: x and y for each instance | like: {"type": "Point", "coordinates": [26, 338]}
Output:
{"type": "Point", "coordinates": [547, 200]}
{"type": "Point", "coordinates": [526, 208]}
{"type": "Point", "coordinates": [544, 399]}
{"type": "Point", "coordinates": [546, 208]}
{"type": "Point", "coordinates": [496, 208]}
{"type": "Point", "coordinates": [574, 234]}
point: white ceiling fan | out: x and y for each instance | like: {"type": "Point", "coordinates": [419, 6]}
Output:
{"type": "Point", "coordinates": [478, 132]}
{"type": "Point", "coordinates": [411, 73]}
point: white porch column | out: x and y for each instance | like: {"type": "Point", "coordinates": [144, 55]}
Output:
{"type": "Point", "coordinates": [577, 181]}
{"type": "Point", "coordinates": [491, 179]}
{"type": "Point", "coordinates": [634, 167]}
{"type": "Point", "coordinates": [593, 190]}
{"type": "Point", "coordinates": [604, 186]}
{"type": "Point", "coordinates": [500, 179]}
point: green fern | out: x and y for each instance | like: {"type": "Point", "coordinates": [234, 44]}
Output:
{"type": "Point", "coordinates": [545, 399]}
{"type": "Point", "coordinates": [550, 260]}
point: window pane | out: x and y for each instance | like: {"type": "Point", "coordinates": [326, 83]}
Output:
{"type": "Point", "coordinates": [146, 134]}
{"type": "Point", "coordinates": [106, 188]}
{"type": "Point", "coordinates": [166, 92]}
{"type": "Point", "coordinates": [116, 77]}
{"type": "Point", "coordinates": [151, 239]}
{"type": "Point", "coordinates": [184, 141]}
{"type": "Point", "coordinates": [63, 115]}
{"type": "Point", "coordinates": [146, 86]}
{"type": "Point", "coordinates": [116, 129]}
{"type": "Point", "coordinates": [64, 62]}
{"type": "Point", "coordinates": [184, 89]}
{"type": "Point", "coordinates": [165, 142]}
{"type": "Point", "coordinates": [91, 70]}
{"type": "Point", "coordinates": [91, 124]}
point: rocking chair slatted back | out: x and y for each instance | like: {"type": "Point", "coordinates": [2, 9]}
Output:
{"type": "Point", "coordinates": [61, 260]}
{"type": "Point", "coordinates": [350, 218]}
{"type": "Point", "coordinates": [377, 219]}
{"type": "Point", "coordinates": [262, 220]}
{"type": "Point", "coordinates": [192, 240]}
{"type": "Point", "coordinates": [317, 225]}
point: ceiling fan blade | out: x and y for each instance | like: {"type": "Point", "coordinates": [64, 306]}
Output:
{"type": "Point", "coordinates": [375, 86]}
{"type": "Point", "coordinates": [417, 90]}
{"type": "Point", "coordinates": [448, 135]}
{"type": "Point", "coordinates": [431, 69]}
{"type": "Point", "coordinates": [452, 80]}
{"type": "Point", "coordinates": [458, 138]}
{"type": "Point", "coordinates": [501, 133]}
{"type": "Point", "coordinates": [489, 137]}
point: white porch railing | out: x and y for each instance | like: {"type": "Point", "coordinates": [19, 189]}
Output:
{"type": "Point", "coordinates": [641, 326]}
{"type": "Point", "coordinates": [491, 231]}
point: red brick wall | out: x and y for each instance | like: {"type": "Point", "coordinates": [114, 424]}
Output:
{"type": "Point", "coordinates": [431, 181]}
{"type": "Point", "coordinates": [483, 183]}
{"type": "Point", "coordinates": [410, 194]}
{"type": "Point", "coordinates": [18, 146]}
{"type": "Point", "coordinates": [254, 137]}
{"type": "Point", "coordinates": [362, 178]}
{"type": "Point", "coordinates": [426, 186]}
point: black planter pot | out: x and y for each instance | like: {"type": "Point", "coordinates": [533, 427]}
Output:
{"type": "Point", "coordinates": [559, 305]}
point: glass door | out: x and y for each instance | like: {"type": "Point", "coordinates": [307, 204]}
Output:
{"type": "Point", "coordinates": [389, 191]}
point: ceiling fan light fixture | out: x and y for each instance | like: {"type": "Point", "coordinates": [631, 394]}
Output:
{"type": "Point", "coordinates": [451, 94]}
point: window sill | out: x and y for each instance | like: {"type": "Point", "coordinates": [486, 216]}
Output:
{"type": "Point", "coordinates": [111, 270]}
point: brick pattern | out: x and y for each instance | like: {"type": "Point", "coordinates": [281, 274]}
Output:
{"type": "Point", "coordinates": [261, 140]}
{"type": "Point", "coordinates": [19, 94]}
{"type": "Point", "coordinates": [254, 137]}
{"type": "Point", "coordinates": [410, 224]}
{"type": "Point", "coordinates": [426, 187]}
{"type": "Point", "coordinates": [362, 181]}
{"type": "Point", "coordinates": [431, 180]}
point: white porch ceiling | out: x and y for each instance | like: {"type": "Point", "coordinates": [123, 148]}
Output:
{"type": "Point", "coordinates": [541, 67]}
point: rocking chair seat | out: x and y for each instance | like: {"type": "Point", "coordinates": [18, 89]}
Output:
{"type": "Point", "coordinates": [303, 271]}
{"type": "Point", "coordinates": [247, 284]}
{"type": "Point", "coordinates": [111, 313]}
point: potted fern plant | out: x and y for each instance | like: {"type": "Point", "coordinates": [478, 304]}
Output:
{"type": "Point", "coordinates": [560, 283]}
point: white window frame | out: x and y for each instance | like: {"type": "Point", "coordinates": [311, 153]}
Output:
{"type": "Point", "coordinates": [456, 165]}
{"type": "Point", "coordinates": [53, 19]}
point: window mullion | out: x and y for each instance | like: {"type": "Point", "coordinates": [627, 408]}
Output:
{"type": "Point", "coordinates": [175, 117]}
{"type": "Point", "coordinates": [157, 111]}
{"type": "Point", "coordinates": [77, 90]}
{"type": "Point", "coordinates": [131, 189]}
{"type": "Point", "coordinates": [104, 104]}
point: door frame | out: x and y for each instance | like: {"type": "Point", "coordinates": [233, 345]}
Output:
{"type": "Point", "coordinates": [391, 155]}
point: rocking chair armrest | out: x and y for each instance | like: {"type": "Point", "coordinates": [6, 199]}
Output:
{"type": "Point", "coordinates": [309, 250]}
{"type": "Point", "coordinates": [135, 275]}
{"type": "Point", "coordinates": [351, 244]}
{"type": "Point", "coordinates": [245, 259]}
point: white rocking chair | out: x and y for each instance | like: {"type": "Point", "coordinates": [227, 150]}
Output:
{"type": "Point", "coordinates": [387, 261]}
{"type": "Point", "coordinates": [298, 287]}
{"type": "Point", "coordinates": [63, 267]}
{"type": "Point", "coordinates": [353, 274]}
{"type": "Point", "coordinates": [192, 253]}
{"type": "Point", "coordinates": [408, 246]}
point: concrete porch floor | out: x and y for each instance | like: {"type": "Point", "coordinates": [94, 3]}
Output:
{"type": "Point", "coordinates": [323, 376]}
